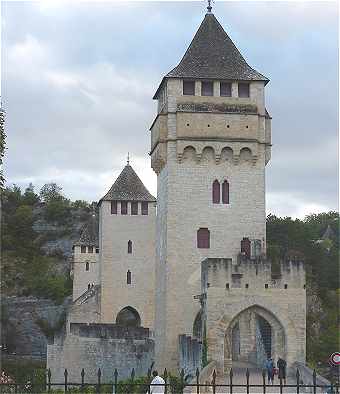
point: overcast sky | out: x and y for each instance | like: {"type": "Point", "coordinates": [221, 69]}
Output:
{"type": "Point", "coordinates": [78, 80]}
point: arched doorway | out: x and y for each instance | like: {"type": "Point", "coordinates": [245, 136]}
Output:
{"type": "Point", "coordinates": [252, 335]}
{"type": "Point", "coordinates": [128, 317]}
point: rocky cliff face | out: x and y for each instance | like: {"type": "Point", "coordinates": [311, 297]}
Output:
{"type": "Point", "coordinates": [27, 323]}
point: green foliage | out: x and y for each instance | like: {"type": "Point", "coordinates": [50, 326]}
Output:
{"type": "Point", "coordinates": [30, 197]}
{"type": "Point", "coordinates": [51, 192]}
{"type": "Point", "coordinates": [58, 211]}
{"type": "Point", "coordinates": [58, 207]}
{"type": "Point", "coordinates": [22, 371]}
{"type": "Point", "coordinates": [25, 269]}
{"type": "Point", "coordinates": [135, 386]}
{"type": "Point", "coordinates": [48, 329]}
{"type": "Point", "coordinates": [39, 282]}
{"type": "Point", "coordinates": [80, 204]}
{"type": "Point", "coordinates": [322, 269]}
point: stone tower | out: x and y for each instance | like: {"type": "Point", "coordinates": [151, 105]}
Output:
{"type": "Point", "coordinates": [85, 264]}
{"type": "Point", "coordinates": [210, 143]}
{"type": "Point", "coordinates": [127, 216]}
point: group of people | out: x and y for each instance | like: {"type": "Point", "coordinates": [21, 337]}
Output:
{"type": "Point", "coordinates": [279, 369]}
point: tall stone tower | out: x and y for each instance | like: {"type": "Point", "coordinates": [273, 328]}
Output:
{"type": "Point", "coordinates": [210, 143]}
{"type": "Point", "coordinates": [127, 215]}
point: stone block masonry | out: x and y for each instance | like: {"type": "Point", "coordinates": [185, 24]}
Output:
{"type": "Point", "coordinates": [104, 346]}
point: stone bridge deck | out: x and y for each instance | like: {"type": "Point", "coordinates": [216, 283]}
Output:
{"type": "Point", "coordinates": [255, 378]}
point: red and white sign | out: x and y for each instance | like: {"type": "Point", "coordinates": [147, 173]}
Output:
{"type": "Point", "coordinates": [335, 358]}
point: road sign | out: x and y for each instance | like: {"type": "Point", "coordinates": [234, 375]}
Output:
{"type": "Point", "coordinates": [335, 358]}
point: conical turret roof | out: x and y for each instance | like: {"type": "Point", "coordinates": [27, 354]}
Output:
{"type": "Point", "coordinates": [213, 55]}
{"type": "Point", "coordinates": [128, 187]}
{"type": "Point", "coordinates": [89, 232]}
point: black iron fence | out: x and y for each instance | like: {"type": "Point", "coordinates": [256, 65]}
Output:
{"type": "Point", "coordinates": [172, 385]}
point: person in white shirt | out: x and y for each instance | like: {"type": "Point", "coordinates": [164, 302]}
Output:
{"type": "Point", "coordinates": [159, 381]}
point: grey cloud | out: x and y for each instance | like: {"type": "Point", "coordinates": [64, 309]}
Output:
{"type": "Point", "coordinates": [80, 96]}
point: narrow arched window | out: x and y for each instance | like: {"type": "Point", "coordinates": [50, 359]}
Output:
{"type": "Point", "coordinates": [89, 286]}
{"type": "Point", "coordinates": [225, 192]}
{"type": "Point", "coordinates": [203, 238]}
{"type": "Point", "coordinates": [216, 193]}
{"type": "Point", "coordinates": [128, 277]}
{"type": "Point", "coordinates": [87, 266]}
{"type": "Point", "coordinates": [130, 247]}
{"type": "Point", "coordinates": [246, 247]}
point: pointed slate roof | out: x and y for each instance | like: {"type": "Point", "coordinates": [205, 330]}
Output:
{"type": "Point", "coordinates": [128, 187]}
{"type": "Point", "coordinates": [89, 233]}
{"type": "Point", "coordinates": [213, 55]}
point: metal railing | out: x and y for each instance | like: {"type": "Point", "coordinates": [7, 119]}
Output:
{"type": "Point", "coordinates": [173, 385]}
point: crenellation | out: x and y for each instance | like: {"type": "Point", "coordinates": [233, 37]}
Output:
{"type": "Point", "coordinates": [254, 273]}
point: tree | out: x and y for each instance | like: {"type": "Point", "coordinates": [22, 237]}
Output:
{"type": "Point", "coordinates": [29, 197]}
{"type": "Point", "coordinates": [51, 192]}
{"type": "Point", "coordinates": [81, 204]}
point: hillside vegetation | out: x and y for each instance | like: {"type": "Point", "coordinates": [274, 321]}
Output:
{"type": "Point", "coordinates": [322, 270]}
{"type": "Point", "coordinates": [39, 229]}
{"type": "Point", "coordinates": [35, 260]}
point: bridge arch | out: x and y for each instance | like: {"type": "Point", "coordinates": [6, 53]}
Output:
{"type": "Point", "coordinates": [248, 334]}
{"type": "Point", "coordinates": [252, 335]}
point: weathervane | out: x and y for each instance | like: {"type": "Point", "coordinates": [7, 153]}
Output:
{"type": "Point", "coordinates": [128, 158]}
{"type": "Point", "coordinates": [209, 6]}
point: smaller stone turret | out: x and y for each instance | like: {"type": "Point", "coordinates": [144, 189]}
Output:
{"type": "Point", "coordinates": [127, 216]}
{"type": "Point", "coordinates": [85, 264]}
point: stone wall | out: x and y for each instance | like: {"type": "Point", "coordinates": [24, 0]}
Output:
{"type": "Point", "coordinates": [190, 355]}
{"type": "Point", "coordinates": [104, 346]}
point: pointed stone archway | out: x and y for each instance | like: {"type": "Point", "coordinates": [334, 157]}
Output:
{"type": "Point", "coordinates": [252, 335]}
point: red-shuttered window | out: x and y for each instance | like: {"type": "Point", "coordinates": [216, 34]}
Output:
{"type": "Point", "coordinates": [245, 247]}
{"type": "Point", "coordinates": [225, 192]}
{"type": "Point", "coordinates": [123, 207]}
{"type": "Point", "coordinates": [216, 192]}
{"type": "Point", "coordinates": [203, 238]}
{"type": "Point", "coordinates": [113, 207]}
{"type": "Point", "coordinates": [134, 208]}
{"type": "Point", "coordinates": [145, 208]}
{"type": "Point", "coordinates": [130, 247]}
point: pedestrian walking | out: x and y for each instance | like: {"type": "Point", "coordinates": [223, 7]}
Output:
{"type": "Point", "coordinates": [157, 386]}
{"type": "Point", "coordinates": [270, 368]}
{"type": "Point", "coordinates": [282, 365]}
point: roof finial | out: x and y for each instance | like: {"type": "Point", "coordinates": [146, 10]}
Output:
{"type": "Point", "coordinates": [209, 6]}
{"type": "Point", "coordinates": [128, 158]}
